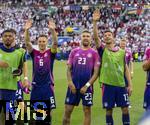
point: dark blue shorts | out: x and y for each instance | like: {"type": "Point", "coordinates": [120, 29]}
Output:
{"type": "Point", "coordinates": [74, 99]}
{"type": "Point", "coordinates": [114, 95]}
{"type": "Point", "coordinates": [7, 96]}
{"type": "Point", "coordinates": [43, 93]}
{"type": "Point", "coordinates": [19, 92]}
{"type": "Point", "coordinates": [146, 104]}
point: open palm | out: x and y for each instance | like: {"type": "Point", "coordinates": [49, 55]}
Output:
{"type": "Point", "coordinates": [96, 15]}
{"type": "Point", "coordinates": [28, 24]}
{"type": "Point", "coordinates": [51, 25]}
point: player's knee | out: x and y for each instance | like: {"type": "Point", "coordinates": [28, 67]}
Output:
{"type": "Point", "coordinates": [87, 110]}
{"type": "Point", "coordinates": [68, 113]}
{"type": "Point", "coordinates": [125, 110]}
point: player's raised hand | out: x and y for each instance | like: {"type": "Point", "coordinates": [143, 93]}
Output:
{"type": "Point", "coordinates": [96, 15]}
{"type": "Point", "coordinates": [72, 87]}
{"type": "Point", "coordinates": [28, 24]}
{"type": "Point", "coordinates": [51, 25]}
{"type": "Point", "coordinates": [83, 89]}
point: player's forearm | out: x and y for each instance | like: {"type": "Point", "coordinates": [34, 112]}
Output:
{"type": "Point", "coordinates": [27, 40]}
{"type": "Point", "coordinates": [146, 65]}
{"type": "Point", "coordinates": [27, 36]}
{"type": "Point", "coordinates": [25, 69]}
{"type": "Point", "coordinates": [94, 77]}
{"type": "Point", "coordinates": [69, 78]}
{"type": "Point", "coordinates": [54, 38]}
{"type": "Point", "coordinates": [95, 33]}
{"type": "Point", "coordinates": [128, 75]}
{"type": "Point", "coordinates": [131, 67]}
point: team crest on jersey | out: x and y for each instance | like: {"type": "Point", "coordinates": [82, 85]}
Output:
{"type": "Point", "coordinates": [89, 55]}
{"type": "Point", "coordinates": [77, 54]}
{"type": "Point", "coordinates": [45, 55]}
{"type": "Point", "coordinates": [38, 57]}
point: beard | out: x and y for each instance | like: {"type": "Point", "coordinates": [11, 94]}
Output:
{"type": "Point", "coordinates": [85, 43]}
{"type": "Point", "coordinates": [7, 43]}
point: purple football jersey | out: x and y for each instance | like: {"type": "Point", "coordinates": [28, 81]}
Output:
{"type": "Point", "coordinates": [83, 63]}
{"type": "Point", "coordinates": [43, 67]}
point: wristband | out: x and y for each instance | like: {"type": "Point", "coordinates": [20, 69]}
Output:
{"type": "Point", "coordinates": [87, 84]}
{"type": "Point", "coordinates": [25, 78]}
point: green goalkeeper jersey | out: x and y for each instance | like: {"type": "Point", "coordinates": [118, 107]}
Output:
{"type": "Point", "coordinates": [113, 68]}
{"type": "Point", "coordinates": [14, 58]}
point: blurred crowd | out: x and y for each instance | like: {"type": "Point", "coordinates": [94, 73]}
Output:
{"type": "Point", "coordinates": [66, 2]}
{"type": "Point", "coordinates": [114, 16]}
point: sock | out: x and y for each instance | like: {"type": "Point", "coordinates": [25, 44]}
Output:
{"type": "Point", "coordinates": [109, 120]}
{"type": "Point", "coordinates": [126, 119]}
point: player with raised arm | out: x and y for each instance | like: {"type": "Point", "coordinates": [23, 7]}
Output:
{"type": "Point", "coordinates": [112, 72]}
{"type": "Point", "coordinates": [83, 67]}
{"type": "Point", "coordinates": [43, 60]}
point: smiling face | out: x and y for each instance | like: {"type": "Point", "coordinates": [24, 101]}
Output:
{"type": "Point", "coordinates": [86, 39]}
{"type": "Point", "coordinates": [108, 37]}
{"type": "Point", "coordinates": [123, 44]}
{"type": "Point", "coordinates": [42, 43]}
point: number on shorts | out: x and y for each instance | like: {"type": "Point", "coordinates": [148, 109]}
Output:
{"type": "Point", "coordinates": [88, 96]}
{"type": "Point", "coordinates": [126, 97]}
{"type": "Point", "coordinates": [19, 92]}
{"type": "Point", "coordinates": [52, 100]}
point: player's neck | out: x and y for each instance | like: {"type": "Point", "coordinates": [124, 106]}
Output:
{"type": "Point", "coordinates": [110, 46]}
{"type": "Point", "coordinates": [85, 47]}
{"type": "Point", "coordinates": [42, 51]}
{"type": "Point", "coordinates": [7, 47]}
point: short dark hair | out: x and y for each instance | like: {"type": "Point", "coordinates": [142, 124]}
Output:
{"type": "Point", "coordinates": [10, 31]}
{"type": "Point", "coordinates": [42, 35]}
{"type": "Point", "coordinates": [86, 31]}
{"type": "Point", "coordinates": [108, 31]}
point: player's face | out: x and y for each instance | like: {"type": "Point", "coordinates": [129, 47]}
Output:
{"type": "Point", "coordinates": [42, 42]}
{"type": "Point", "coordinates": [108, 38]}
{"type": "Point", "coordinates": [8, 38]}
{"type": "Point", "coordinates": [122, 44]}
{"type": "Point", "coordinates": [86, 39]}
